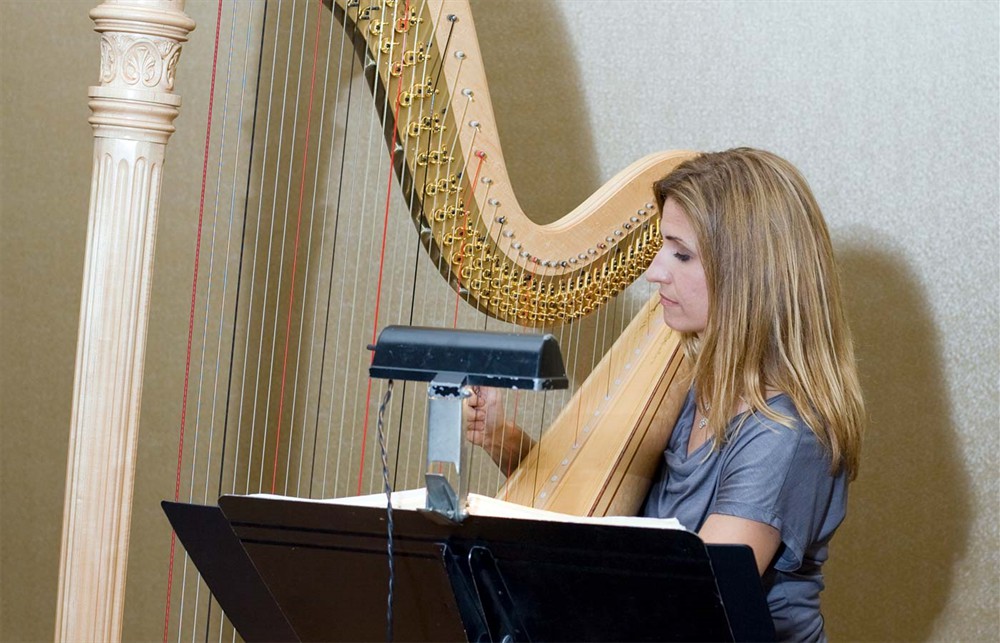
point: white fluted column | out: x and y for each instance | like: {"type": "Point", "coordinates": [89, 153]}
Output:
{"type": "Point", "coordinates": [133, 112]}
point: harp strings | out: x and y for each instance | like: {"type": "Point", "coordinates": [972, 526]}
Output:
{"type": "Point", "coordinates": [333, 255]}
{"type": "Point", "coordinates": [261, 420]}
{"type": "Point", "coordinates": [409, 311]}
{"type": "Point", "coordinates": [256, 302]}
{"type": "Point", "coordinates": [291, 296]}
{"type": "Point", "coordinates": [253, 286]}
{"type": "Point", "coordinates": [390, 178]}
{"type": "Point", "coordinates": [412, 464]}
{"type": "Point", "coordinates": [190, 337]}
{"type": "Point", "coordinates": [295, 248]}
{"type": "Point", "coordinates": [200, 396]}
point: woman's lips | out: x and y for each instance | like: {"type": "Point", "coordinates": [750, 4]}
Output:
{"type": "Point", "coordinates": [666, 301]}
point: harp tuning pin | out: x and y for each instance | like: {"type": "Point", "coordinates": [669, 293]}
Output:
{"type": "Point", "coordinates": [495, 203]}
{"type": "Point", "coordinates": [618, 233]}
{"type": "Point", "coordinates": [474, 125]}
{"type": "Point", "coordinates": [582, 256]}
{"type": "Point", "coordinates": [627, 226]}
{"type": "Point", "coordinates": [564, 264]}
{"type": "Point", "coordinates": [501, 219]}
{"type": "Point", "coordinates": [524, 253]}
{"type": "Point", "coordinates": [634, 219]}
{"type": "Point", "coordinates": [516, 245]}
{"type": "Point", "coordinates": [591, 251]}
{"type": "Point", "coordinates": [650, 206]}
{"type": "Point", "coordinates": [609, 239]}
{"type": "Point", "coordinates": [508, 233]}
{"type": "Point", "coordinates": [641, 213]}
{"type": "Point", "coordinates": [467, 92]}
{"type": "Point", "coordinates": [453, 18]}
{"type": "Point", "coordinates": [486, 180]}
{"type": "Point", "coordinates": [458, 54]}
{"type": "Point", "coordinates": [572, 259]}
{"type": "Point", "coordinates": [602, 246]}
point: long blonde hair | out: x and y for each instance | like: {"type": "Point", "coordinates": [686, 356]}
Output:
{"type": "Point", "coordinates": [775, 320]}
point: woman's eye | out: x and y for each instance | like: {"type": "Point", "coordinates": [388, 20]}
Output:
{"type": "Point", "coordinates": [680, 256]}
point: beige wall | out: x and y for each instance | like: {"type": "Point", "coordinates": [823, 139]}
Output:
{"type": "Point", "coordinates": [890, 109]}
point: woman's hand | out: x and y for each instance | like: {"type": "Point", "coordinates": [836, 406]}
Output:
{"type": "Point", "coordinates": [486, 425]}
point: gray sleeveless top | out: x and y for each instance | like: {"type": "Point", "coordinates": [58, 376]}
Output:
{"type": "Point", "coordinates": [767, 473]}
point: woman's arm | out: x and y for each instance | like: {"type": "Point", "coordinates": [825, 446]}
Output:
{"type": "Point", "coordinates": [764, 539]}
{"type": "Point", "coordinates": [486, 425]}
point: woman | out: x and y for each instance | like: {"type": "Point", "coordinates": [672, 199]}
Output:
{"type": "Point", "coordinates": [770, 433]}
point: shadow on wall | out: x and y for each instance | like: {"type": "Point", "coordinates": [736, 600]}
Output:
{"type": "Point", "coordinates": [893, 562]}
{"type": "Point", "coordinates": [541, 115]}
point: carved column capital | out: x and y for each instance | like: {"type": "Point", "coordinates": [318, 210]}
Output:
{"type": "Point", "coordinates": [140, 46]}
{"type": "Point", "coordinates": [139, 62]}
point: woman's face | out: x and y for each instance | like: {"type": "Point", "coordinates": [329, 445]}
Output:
{"type": "Point", "coordinates": [678, 273]}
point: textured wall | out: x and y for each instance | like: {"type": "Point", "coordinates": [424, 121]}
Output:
{"type": "Point", "coordinates": [890, 110]}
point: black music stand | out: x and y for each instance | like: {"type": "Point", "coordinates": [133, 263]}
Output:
{"type": "Point", "coordinates": [288, 569]}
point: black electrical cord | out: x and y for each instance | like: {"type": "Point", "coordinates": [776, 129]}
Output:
{"type": "Point", "coordinates": [388, 506]}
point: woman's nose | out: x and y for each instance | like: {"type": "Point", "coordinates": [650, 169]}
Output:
{"type": "Point", "coordinates": [658, 271]}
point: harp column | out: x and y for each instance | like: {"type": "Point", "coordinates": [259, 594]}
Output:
{"type": "Point", "coordinates": [133, 111]}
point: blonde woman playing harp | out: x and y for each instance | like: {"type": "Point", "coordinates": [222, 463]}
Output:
{"type": "Point", "coordinates": [770, 433]}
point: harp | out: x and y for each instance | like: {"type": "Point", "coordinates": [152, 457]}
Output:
{"type": "Point", "coordinates": [429, 107]}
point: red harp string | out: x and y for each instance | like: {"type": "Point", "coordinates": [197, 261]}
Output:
{"type": "Point", "coordinates": [194, 298]}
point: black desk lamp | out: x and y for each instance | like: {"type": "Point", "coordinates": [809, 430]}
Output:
{"type": "Point", "coordinates": [451, 361]}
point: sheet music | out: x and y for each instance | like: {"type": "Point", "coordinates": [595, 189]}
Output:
{"type": "Point", "coordinates": [413, 499]}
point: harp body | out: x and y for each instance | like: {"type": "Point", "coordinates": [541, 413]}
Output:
{"type": "Point", "coordinates": [422, 63]}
